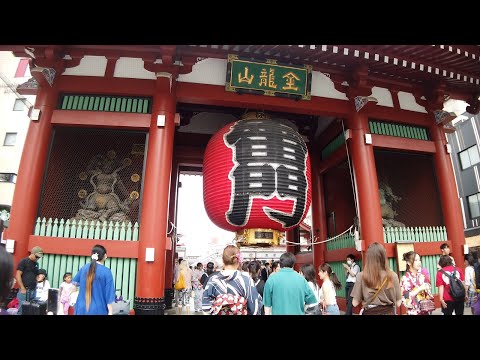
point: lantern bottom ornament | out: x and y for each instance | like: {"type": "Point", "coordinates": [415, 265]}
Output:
{"type": "Point", "coordinates": [258, 237]}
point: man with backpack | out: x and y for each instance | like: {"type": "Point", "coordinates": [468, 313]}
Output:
{"type": "Point", "coordinates": [451, 290]}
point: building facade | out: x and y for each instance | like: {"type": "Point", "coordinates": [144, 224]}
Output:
{"type": "Point", "coordinates": [114, 126]}
{"type": "Point", "coordinates": [466, 160]}
{"type": "Point", "coordinates": [14, 123]}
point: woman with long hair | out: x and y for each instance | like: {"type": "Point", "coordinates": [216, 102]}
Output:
{"type": "Point", "coordinates": [414, 285]}
{"type": "Point", "coordinates": [97, 288]}
{"type": "Point", "coordinates": [377, 287]}
{"type": "Point", "coordinates": [183, 294]}
{"type": "Point", "coordinates": [329, 286]}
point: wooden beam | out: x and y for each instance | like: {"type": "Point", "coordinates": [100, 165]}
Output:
{"type": "Point", "coordinates": [216, 95]}
{"type": "Point", "coordinates": [83, 247]}
{"type": "Point", "coordinates": [337, 157]}
{"type": "Point", "coordinates": [398, 143]}
{"type": "Point", "coordinates": [105, 86]}
{"type": "Point", "coordinates": [101, 119]}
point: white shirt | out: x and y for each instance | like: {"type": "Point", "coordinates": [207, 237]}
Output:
{"type": "Point", "coordinates": [328, 290]}
{"type": "Point", "coordinates": [469, 276]}
{"type": "Point", "coordinates": [355, 269]}
{"type": "Point", "coordinates": [42, 290]}
{"type": "Point", "coordinates": [316, 290]}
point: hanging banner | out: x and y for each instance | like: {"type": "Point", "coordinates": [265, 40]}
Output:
{"type": "Point", "coordinates": [268, 78]}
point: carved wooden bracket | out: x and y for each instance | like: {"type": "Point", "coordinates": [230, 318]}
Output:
{"type": "Point", "coordinates": [361, 101]}
{"type": "Point", "coordinates": [443, 117]}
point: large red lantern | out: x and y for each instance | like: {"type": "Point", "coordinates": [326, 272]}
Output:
{"type": "Point", "coordinates": [256, 179]}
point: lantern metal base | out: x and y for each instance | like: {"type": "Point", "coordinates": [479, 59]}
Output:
{"type": "Point", "coordinates": [258, 237]}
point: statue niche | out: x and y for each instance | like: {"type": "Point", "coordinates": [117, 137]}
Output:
{"type": "Point", "coordinates": [103, 203]}
{"type": "Point", "coordinates": [387, 198]}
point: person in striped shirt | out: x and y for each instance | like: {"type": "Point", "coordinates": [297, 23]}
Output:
{"type": "Point", "coordinates": [230, 281]}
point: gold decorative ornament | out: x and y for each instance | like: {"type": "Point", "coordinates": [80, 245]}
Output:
{"type": "Point", "coordinates": [134, 195]}
{"type": "Point", "coordinates": [135, 177]}
{"type": "Point", "coordinates": [82, 193]}
{"type": "Point", "coordinates": [127, 161]}
{"type": "Point", "coordinates": [255, 115]}
{"type": "Point", "coordinates": [83, 175]}
{"type": "Point", "coordinates": [258, 237]}
{"type": "Point", "coordinates": [111, 154]}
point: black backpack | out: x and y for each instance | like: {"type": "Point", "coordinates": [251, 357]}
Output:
{"type": "Point", "coordinates": [476, 267]}
{"type": "Point", "coordinates": [457, 290]}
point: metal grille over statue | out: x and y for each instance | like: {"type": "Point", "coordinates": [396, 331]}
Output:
{"type": "Point", "coordinates": [256, 179]}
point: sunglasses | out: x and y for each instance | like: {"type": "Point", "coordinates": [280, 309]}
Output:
{"type": "Point", "coordinates": [38, 257]}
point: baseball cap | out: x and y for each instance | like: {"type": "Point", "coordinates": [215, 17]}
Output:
{"type": "Point", "coordinates": [38, 251]}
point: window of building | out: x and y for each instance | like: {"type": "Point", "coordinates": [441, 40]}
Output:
{"type": "Point", "coordinates": [22, 68]}
{"type": "Point", "coordinates": [469, 157]}
{"type": "Point", "coordinates": [8, 177]}
{"type": "Point", "coordinates": [474, 205]}
{"type": "Point", "coordinates": [19, 104]}
{"type": "Point", "coordinates": [10, 139]}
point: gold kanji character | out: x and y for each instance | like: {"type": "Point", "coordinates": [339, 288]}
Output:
{"type": "Point", "coordinates": [291, 77]}
{"type": "Point", "coordinates": [245, 78]}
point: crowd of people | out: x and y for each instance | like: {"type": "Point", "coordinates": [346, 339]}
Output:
{"type": "Point", "coordinates": [252, 288]}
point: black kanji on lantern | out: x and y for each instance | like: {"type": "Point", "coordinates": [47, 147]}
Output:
{"type": "Point", "coordinates": [269, 157]}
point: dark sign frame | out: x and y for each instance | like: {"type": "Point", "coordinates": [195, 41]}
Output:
{"type": "Point", "coordinates": [271, 63]}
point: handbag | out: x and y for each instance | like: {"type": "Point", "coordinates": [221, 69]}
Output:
{"type": "Point", "coordinates": [180, 284]}
{"type": "Point", "coordinates": [377, 310]}
{"type": "Point", "coordinates": [426, 305]}
{"type": "Point", "coordinates": [313, 310]}
{"type": "Point", "coordinates": [121, 307]}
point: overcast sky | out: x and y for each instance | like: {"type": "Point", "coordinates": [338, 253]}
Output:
{"type": "Point", "coordinates": [199, 233]}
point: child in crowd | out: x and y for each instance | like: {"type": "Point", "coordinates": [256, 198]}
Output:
{"type": "Point", "coordinates": [66, 289]}
{"type": "Point", "coordinates": [42, 285]}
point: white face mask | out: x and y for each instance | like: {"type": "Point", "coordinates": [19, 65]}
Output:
{"type": "Point", "coordinates": [349, 262]}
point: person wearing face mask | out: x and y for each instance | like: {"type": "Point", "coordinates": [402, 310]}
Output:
{"type": "Point", "coordinates": [351, 271]}
{"type": "Point", "coordinates": [26, 276]}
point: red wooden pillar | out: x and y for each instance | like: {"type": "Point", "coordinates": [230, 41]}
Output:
{"type": "Point", "coordinates": [452, 212]}
{"type": "Point", "coordinates": [30, 174]}
{"type": "Point", "coordinates": [319, 218]}
{"type": "Point", "coordinates": [366, 182]}
{"type": "Point", "coordinates": [149, 298]}
{"type": "Point", "coordinates": [170, 254]}
{"type": "Point", "coordinates": [290, 236]}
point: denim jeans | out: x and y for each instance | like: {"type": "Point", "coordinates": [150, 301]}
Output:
{"type": "Point", "coordinates": [332, 310]}
{"type": "Point", "coordinates": [28, 296]}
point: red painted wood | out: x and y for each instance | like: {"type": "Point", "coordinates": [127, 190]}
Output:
{"type": "Point", "coordinates": [101, 119]}
{"type": "Point", "coordinates": [216, 95]}
{"type": "Point", "coordinates": [335, 158]}
{"type": "Point", "coordinates": [290, 236]}
{"type": "Point", "coordinates": [153, 223]}
{"type": "Point", "coordinates": [319, 217]}
{"type": "Point", "coordinates": [30, 173]}
{"type": "Point", "coordinates": [399, 116]}
{"type": "Point", "coordinates": [368, 198]}
{"type": "Point", "coordinates": [452, 213]}
{"type": "Point", "coordinates": [105, 86]}
{"type": "Point", "coordinates": [398, 143]}
{"type": "Point", "coordinates": [83, 247]}
{"type": "Point", "coordinates": [185, 155]}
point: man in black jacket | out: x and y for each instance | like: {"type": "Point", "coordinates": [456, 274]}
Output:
{"type": "Point", "coordinates": [26, 276]}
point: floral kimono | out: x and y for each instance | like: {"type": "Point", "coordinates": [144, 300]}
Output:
{"type": "Point", "coordinates": [409, 284]}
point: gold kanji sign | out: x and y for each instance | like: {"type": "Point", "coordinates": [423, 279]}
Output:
{"type": "Point", "coordinates": [268, 78]}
